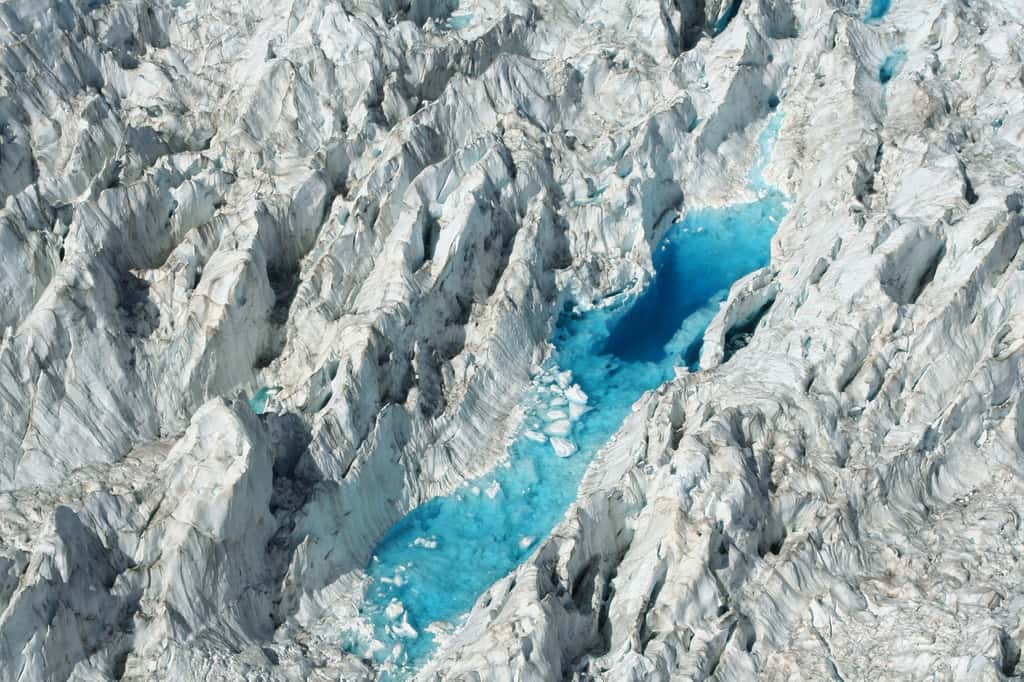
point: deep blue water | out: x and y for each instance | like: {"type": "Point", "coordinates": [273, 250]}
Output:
{"type": "Point", "coordinates": [725, 19]}
{"type": "Point", "coordinates": [695, 264]}
{"type": "Point", "coordinates": [433, 564]}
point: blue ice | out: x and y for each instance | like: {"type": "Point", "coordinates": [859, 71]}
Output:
{"type": "Point", "coordinates": [430, 568]}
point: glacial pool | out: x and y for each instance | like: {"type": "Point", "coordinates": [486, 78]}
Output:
{"type": "Point", "coordinates": [429, 569]}
{"type": "Point", "coordinates": [878, 10]}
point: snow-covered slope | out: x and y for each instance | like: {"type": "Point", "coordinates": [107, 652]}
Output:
{"type": "Point", "coordinates": [376, 209]}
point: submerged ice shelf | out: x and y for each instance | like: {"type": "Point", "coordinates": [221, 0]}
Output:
{"type": "Point", "coordinates": [430, 567]}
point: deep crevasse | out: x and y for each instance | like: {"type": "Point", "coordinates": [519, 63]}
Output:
{"type": "Point", "coordinates": [431, 566]}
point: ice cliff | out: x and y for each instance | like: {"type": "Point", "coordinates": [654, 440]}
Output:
{"type": "Point", "coordinates": [368, 215]}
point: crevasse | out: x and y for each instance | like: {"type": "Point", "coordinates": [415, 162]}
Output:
{"type": "Point", "coordinates": [429, 569]}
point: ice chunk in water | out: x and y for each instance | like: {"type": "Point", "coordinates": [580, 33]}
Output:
{"type": "Point", "coordinates": [493, 489]}
{"type": "Point", "coordinates": [534, 436]}
{"type": "Point", "coordinates": [576, 411]}
{"type": "Point", "coordinates": [394, 609]}
{"type": "Point", "coordinates": [576, 395]}
{"type": "Point", "coordinates": [563, 447]}
{"type": "Point", "coordinates": [562, 427]}
{"type": "Point", "coordinates": [403, 629]}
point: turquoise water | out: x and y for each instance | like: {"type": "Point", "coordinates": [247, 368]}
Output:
{"type": "Point", "coordinates": [879, 8]}
{"type": "Point", "coordinates": [258, 402]}
{"type": "Point", "coordinates": [891, 66]}
{"type": "Point", "coordinates": [457, 22]}
{"type": "Point", "coordinates": [432, 565]}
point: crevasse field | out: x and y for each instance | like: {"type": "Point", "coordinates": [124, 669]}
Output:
{"type": "Point", "coordinates": [511, 340]}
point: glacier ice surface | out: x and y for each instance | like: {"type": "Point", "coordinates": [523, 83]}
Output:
{"type": "Point", "coordinates": [381, 207]}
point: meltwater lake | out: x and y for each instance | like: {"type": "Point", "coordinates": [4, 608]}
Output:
{"type": "Point", "coordinates": [430, 568]}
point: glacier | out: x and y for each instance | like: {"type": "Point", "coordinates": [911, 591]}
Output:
{"type": "Point", "coordinates": [731, 288]}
